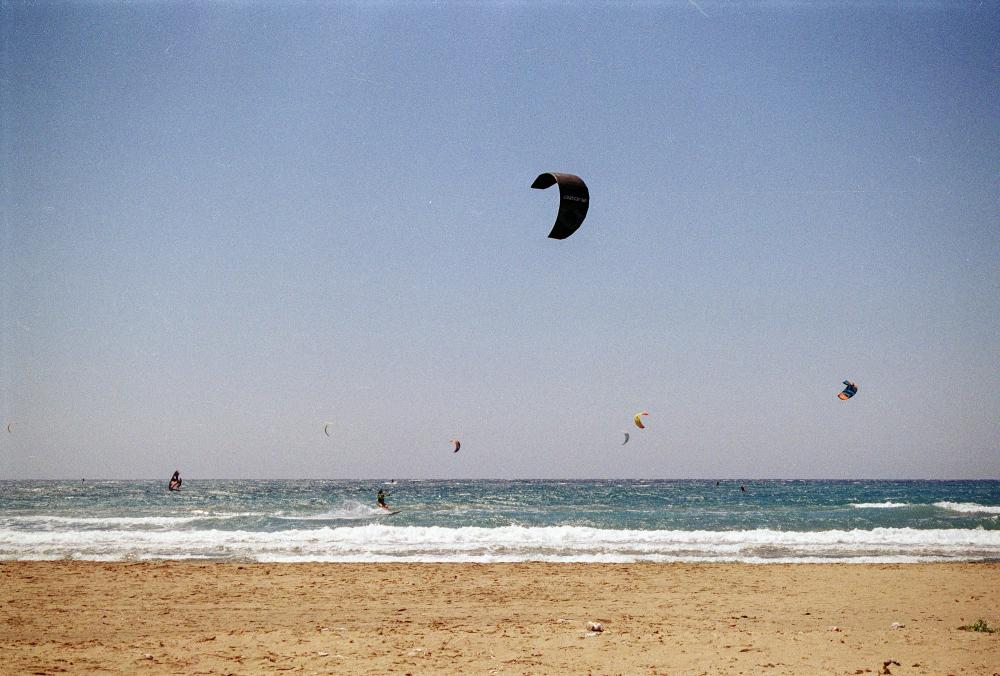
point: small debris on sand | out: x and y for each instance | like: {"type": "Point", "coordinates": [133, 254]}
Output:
{"type": "Point", "coordinates": [885, 666]}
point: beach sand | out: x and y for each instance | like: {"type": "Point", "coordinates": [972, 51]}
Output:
{"type": "Point", "coordinates": [198, 617]}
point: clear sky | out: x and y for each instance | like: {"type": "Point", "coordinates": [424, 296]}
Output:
{"type": "Point", "coordinates": [226, 224]}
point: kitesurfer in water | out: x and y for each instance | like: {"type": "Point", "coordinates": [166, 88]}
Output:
{"type": "Point", "coordinates": [380, 499]}
{"type": "Point", "coordinates": [175, 481]}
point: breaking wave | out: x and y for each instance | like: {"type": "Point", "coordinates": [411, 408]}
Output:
{"type": "Point", "coordinates": [377, 542]}
{"type": "Point", "coordinates": [969, 507]}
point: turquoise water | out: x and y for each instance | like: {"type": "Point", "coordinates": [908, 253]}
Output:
{"type": "Point", "coordinates": [503, 520]}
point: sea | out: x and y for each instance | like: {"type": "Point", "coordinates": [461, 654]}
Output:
{"type": "Point", "coordinates": [503, 521]}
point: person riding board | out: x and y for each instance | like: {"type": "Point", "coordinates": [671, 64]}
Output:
{"type": "Point", "coordinates": [380, 499]}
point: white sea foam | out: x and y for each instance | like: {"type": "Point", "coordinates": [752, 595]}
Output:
{"type": "Point", "coordinates": [879, 505]}
{"type": "Point", "coordinates": [348, 511]}
{"type": "Point", "coordinates": [969, 507]}
{"type": "Point", "coordinates": [376, 542]}
{"type": "Point", "coordinates": [52, 522]}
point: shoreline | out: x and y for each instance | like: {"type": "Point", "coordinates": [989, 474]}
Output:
{"type": "Point", "coordinates": [198, 616]}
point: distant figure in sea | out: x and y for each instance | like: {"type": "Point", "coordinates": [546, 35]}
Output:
{"type": "Point", "coordinates": [380, 499]}
{"type": "Point", "coordinates": [743, 489]}
{"type": "Point", "coordinates": [175, 481]}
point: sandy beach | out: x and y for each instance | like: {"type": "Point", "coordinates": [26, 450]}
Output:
{"type": "Point", "coordinates": [197, 617]}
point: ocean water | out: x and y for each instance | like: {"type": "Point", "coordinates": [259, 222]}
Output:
{"type": "Point", "coordinates": [489, 521]}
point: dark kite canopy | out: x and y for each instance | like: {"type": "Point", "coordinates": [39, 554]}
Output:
{"type": "Point", "coordinates": [574, 199]}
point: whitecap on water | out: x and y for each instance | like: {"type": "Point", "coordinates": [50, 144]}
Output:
{"type": "Point", "coordinates": [968, 507]}
{"type": "Point", "coordinates": [879, 505]}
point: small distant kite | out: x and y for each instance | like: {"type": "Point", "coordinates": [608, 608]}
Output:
{"type": "Point", "coordinates": [849, 391]}
{"type": "Point", "coordinates": [574, 200]}
{"type": "Point", "coordinates": [638, 419]}
{"type": "Point", "coordinates": [10, 428]}
{"type": "Point", "coordinates": [626, 438]}
{"type": "Point", "coordinates": [326, 428]}
{"type": "Point", "coordinates": [458, 445]}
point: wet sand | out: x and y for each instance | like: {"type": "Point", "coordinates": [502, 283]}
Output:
{"type": "Point", "coordinates": [197, 617]}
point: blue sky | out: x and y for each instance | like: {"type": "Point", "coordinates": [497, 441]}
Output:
{"type": "Point", "coordinates": [226, 224]}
